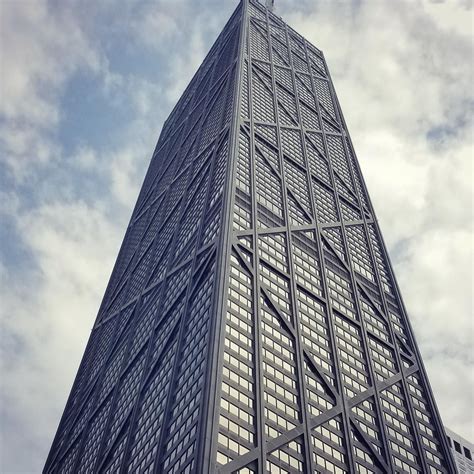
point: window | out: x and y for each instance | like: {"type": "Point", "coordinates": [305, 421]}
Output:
{"type": "Point", "coordinates": [467, 453]}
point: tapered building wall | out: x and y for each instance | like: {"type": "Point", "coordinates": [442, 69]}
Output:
{"type": "Point", "coordinates": [138, 399]}
{"type": "Point", "coordinates": [252, 322]}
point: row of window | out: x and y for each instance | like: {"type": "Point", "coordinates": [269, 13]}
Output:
{"type": "Point", "coordinates": [328, 445]}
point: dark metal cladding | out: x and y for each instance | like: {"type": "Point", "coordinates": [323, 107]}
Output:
{"type": "Point", "coordinates": [252, 322]}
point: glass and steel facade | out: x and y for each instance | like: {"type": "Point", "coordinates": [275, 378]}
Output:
{"type": "Point", "coordinates": [252, 322]}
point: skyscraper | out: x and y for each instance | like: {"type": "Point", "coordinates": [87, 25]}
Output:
{"type": "Point", "coordinates": [252, 322]}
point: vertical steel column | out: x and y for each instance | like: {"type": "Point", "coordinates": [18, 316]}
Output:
{"type": "Point", "coordinates": [207, 447]}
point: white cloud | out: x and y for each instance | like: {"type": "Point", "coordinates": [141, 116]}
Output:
{"type": "Point", "coordinates": [47, 315]}
{"type": "Point", "coordinates": [42, 47]}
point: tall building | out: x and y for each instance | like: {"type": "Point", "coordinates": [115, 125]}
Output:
{"type": "Point", "coordinates": [463, 452]}
{"type": "Point", "coordinates": [252, 322]}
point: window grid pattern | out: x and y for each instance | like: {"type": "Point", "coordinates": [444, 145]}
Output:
{"type": "Point", "coordinates": [212, 224]}
{"type": "Point", "coordinates": [94, 436]}
{"type": "Point", "coordinates": [150, 417]}
{"type": "Point", "coordinates": [334, 236]}
{"type": "Point", "coordinates": [315, 333]}
{"type": "Point", "coordinates": [292, 146]}
{"type": "Point", "coordinates": [258, 42]}
{"type": "Point", "coordinates": [325, 203]}
{"type": "Point", "coordinates": [112, 373]}
{"type": "Point", "coordinates": [243, 163]}
{"type": "Point", "coordinates": [329, 450]}
{"type": "Point", "coordinates": [341, 166]}
{"type": "Point", "coordinates": [373, 323]}
{"type": "Point", "coordinates": [279, 376]}
{"type": "Point", "coordinates": [306, 263]}
{"type": "Point", "coordinates": [279, 47]}
{"type": "Point", "coordinates": [400, 432]}
{"type": "Point", "coordinates": [305, 92]}
{"type": "Point", "coordinates": [269, 194]}
{"type": "Point", "coordinates": [283, 77]}
{"type": "Point", "coordinates": [156, 209]}
{"type": "Point", "coordinates": [81, 420]}
{"type": "Point", "coordinates": [319, 400]}
{"type": "Point", "coordinates": [278, 287]}
{"type": "Point", "coordinates": [324, 96]}
{"type": "Point", "coordinates": [349, 212]}
{"type": "Point", "coordinates": [286, 106]}
{"type": "Point", "coordinates": [307, 104]}
{"type": "Point", "coordinates": [319, 166]}
{"type": "Point", "coordinates": [429, 437]}
{"type": "Point", "coordinates": [359, 252]}
{"type": "Point", "coordinates": [266, 150]}
{"type": "Point", "coordinates": [192, 217]}
{"type": "Point", "coordinates": [368, 422]}
{"type": "Point", "coordinates": [308, 116]}
{"type": "Point", "coordinates": [384, 274]}
{"type": "Point", "coordinates": [397, 322]}
{"type": "Point", "coordinates": [106, 331]}
{"type": "Point", "coordinates": [363, 457]}
{"type": "Point", "coordinates": [165, 328]}
{"type": "Point", "coordinates": [81, 380]}
{"type": "Point", "coordinates": [180, 437]}
{"type": "Point", "coordinates": [273, 249]}
{"type": "Point", "coordinates": [237, 404]}
{"type": "Point", "coordinates": [340, 292]}
{"type": "Point", "coordinates": [268, 133]}
{"type": "Point", "coordinates": [296, 215]}
{"type": "Point", "coordinates": [139, 275]}
{"type": "Point", "coordinates": [288, 459]}
{"type": "Point", "coordinates": [116, 456]}
{"type": "Point", "coordinates": [218, 180]}
{"type": "Point", "coordinates": [244, 105]}
{"type": "Point", "coordinates": [242, 211]}
{"type": "Point", "coordinates": [70, 458]}
{"type": "Point", "coordinates": [299, 62]}
{"type": "Point", "coordinates": [143, 330]}
{"type": "Point", "coordinates": [357, 177]}
{"type": "Point", "coordinates": [383, 359]}
{"type": "Point", "coordinates": [262, 99]}
{"type": "Point", "coordinates": [126, 397]}
{"type": "Point", "coordinates": [298, 185]}
{"type": "Point", "coordinates": [352, 360]}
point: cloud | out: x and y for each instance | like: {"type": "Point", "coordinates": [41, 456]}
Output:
{"type": "Point", "coordinates": [42, 47]}
{"type": "Point", "coordinates": [47, 315]}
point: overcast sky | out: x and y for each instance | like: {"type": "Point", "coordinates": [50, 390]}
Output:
{"type": "Point", "coordinates": [85, 88]}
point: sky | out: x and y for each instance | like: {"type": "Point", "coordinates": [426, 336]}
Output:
{"type": "Point", "coordinates": [84, 90]}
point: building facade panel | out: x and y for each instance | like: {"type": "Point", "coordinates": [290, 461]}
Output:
{"type": "Point", "coordinates": [137, 400]}
{"type": "Point", "coordinates": [335, 368]}
{"type": "Point", "coordinates": [463, 452]}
